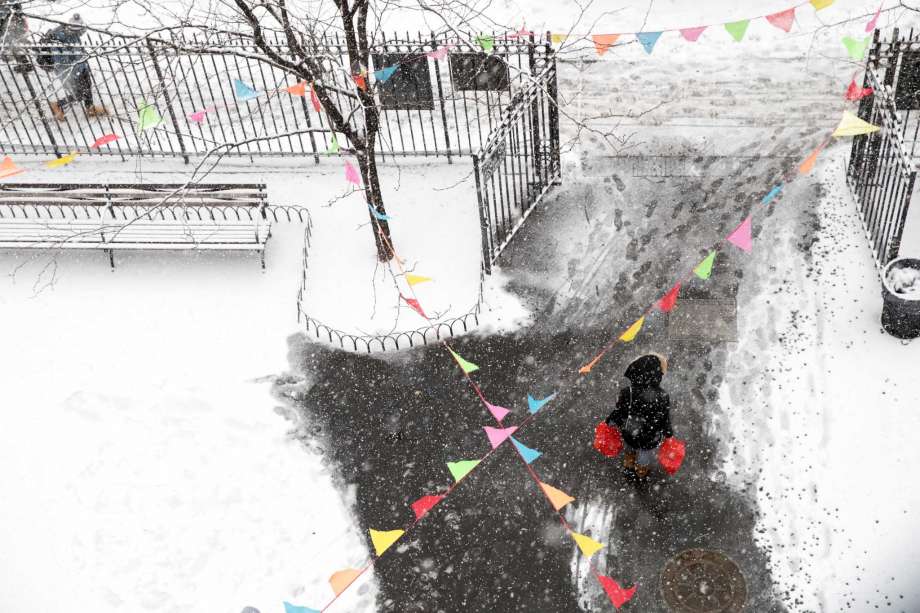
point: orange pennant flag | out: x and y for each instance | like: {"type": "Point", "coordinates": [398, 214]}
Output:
{"type": "Point", "coordinates": [342, 579]}
{"type": "Point", "coordinates": [558, 498]}
{"type": "Point", "coordinates": [360, 81]}
{"type": "Point", "coordinates": [8, 168]}
{"type": "Point", "coordinates": [587, 367]}
{"type": "Point", "coordinates": [808, 165]}
{"type": "Point", "coordinates": [298, 90]}
{"type": "Point", "coordinates": [633, 330]}
{"type": "Point", "coordinates": [603, 42]}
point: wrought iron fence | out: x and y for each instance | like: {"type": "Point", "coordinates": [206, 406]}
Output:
{"type": "Point", "coordinates": [429, 107]}
{"type": "Point", "coordinates": [519, 163]}
{"type": "Point", "coordinates": [881, 170]}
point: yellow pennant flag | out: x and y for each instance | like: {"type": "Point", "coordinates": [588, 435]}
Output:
{"type": "Point", "coordinates": [342, 579]}
{"type": "Point", "coordinates": [821, 4]}
{"type": "Point", "coordinates": [587, 545]}
{"type": "Point", "coordinates": [416, 279]}
{"type": "Point", "coordinates": [558, 38]}
{"type": "Point", "coordinates": [383, 539]}
{"type": "Point", "coordinates": [633, 330]}
{"type": "Point", "coordinates": [851, 125]}
{"type": "Point", "coordinates": [62, 161]}
{"type": "Point", "coordinates": [558, 498]}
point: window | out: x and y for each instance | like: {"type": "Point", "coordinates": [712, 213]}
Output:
{"type": "Point", "coordinates": [410, 86]}
{"type": "Point", "coordinates": [479, 72]}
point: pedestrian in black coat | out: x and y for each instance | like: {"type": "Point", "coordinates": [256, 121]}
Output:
{"type": "Point", "coordinates": [643, 413]}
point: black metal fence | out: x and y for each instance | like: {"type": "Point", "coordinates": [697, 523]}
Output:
{"type": "Point", "coordinates": [881, 170]}
{"type": "Point", "coordinates": [429, 107]}
{"type": "Point", "coordinates": [519, 163]}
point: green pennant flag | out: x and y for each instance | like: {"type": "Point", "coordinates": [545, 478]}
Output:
{"type": "Point", "coordinates": [703, 270]}
{"type": "Point", "coordinates": [334, 145]}
{"type": "Point", "coordinates": [148, 117]}
{"type": "Point", "coordinates": [466, 365]}
{"type": "Point", "coordinates": [737, 28]}
{"type": "Point", "coordinates": [486, 42]}
{"type": "Point", "coordinates": [462, 468]}
{"type": "Point", "coordinates": [856, 48]}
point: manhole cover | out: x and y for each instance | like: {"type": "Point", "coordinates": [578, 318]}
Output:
{"type": "Point", "coordinates": [703, 581]}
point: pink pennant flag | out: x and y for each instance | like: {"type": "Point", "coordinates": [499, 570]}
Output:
{"type": "Point", "coordinates": [855, 92]}
{"type": "Point", "coordinates": [692, 34]}
{"type": "Point", "coordinates": [197, 116]}
{"type": "Point", "coordinates": [425, 504]}
{"type": "Point", "coordinates": [497, 436]}
{"type": "Point", "coordinates": [351, 174]}
{"type": "Point", "coordinates": [668, 301]}
{"type": "Point", "coordinates": [412, 302]}
{"type": "Point", "coordinates": [874, 22]}
{"type": "Point", "coordinates": [104, 140]}
{"type": "Point", "coordinates": [783, 20]}
{"type": "Point", "coordinates": [314, 99]}
{"type": "Point", "coordinates": [497, 411]}
{"type": "Point", "coordinates": [617, 595]}
{"type": "Point", "coordinates": [522, 33]}
{"type": "Point", "coordinates": [741, 236]}
{"type": "Point", "coordinates": [438, 54]}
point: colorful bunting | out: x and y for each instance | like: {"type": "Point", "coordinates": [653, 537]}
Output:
{"type": "Point", "coordinates": [333, 145]}
{"type": "Point", "coordinates": [414, 304]}
{"type": "Point", "coordinates": [703, 270]}
{"type": "Point", "coordinates": [526, 452]}
{"type": "Point", "coordinates": [558, 39]}
{"type": "Point", "coordinates": [617, 595]}
{"type": "Point", "coordinates": [462, 468]}
{"type": "Point", "coordinates": [498, 412]}
{"type": "Point", "coordinates": [351, 174]}
{"type": "Point", "coordinates": [300, 89]}
{"type": "Point", "coordinates": [851, 125]}
{"type": "Point", "coordinates": [874, 21]}
{"type": "Point", "coordinates": [522, 33]}
{"type": "Point", "coordinates": [667, 302]}
{"type": "Point", "coordinates": [290, 608]}
{"type": "Point", "coordinates": [361, 81]}
{"type": "Point", "coordinates": [603, 42]}
{"type": "Point", "coordinates": [587, 367]}
{"type": "Point", "coordinates": [648, 40]}
{"type": "Point", "coordinates": [8, 168]}
{"type": "Point", "coordinates": [773, 193]}
{"type": "Point", "coordinates": [486, 42]}
{"type": "Point", "coordinates": [783, 19]}
{"type": "Point", "coordinates": [383, 539]}
{"type": "Point", "coordinates": [438, 54]}
{"type": "Point", "coordinates": [377, 214]}
{"type": "Point", "coordinates": [587, 544]}
{"type": "Point", "coordinates": [342, 579]}
{"type": "Point", "coordinates": [244, 92]}
{"type": "Point", "coordinates": [412, 279]}
{"type": "Point", "coordinates": [497, 436]}
{"type": "Point", "coordinates": [104, 140]}
{"type": "Point", "coordinates": [557, 498]}
{"type": "Point", "coordinates": [467, 366]}
{"type": "Point", "coordinates": [692, 34]}
{"type": "Point", "coordinates": [741, 236]}
{"type": "Point", "coordinates": [809, 163]}
{"type": "Point", "coordinates": [737, 29]}
{"type": "Point", "coordinates": [148, 117]}
{"type": "Point", "coordinates": [633, 330]}
{"type": "Point", "coordinates": [855, 92]}
{"type": "Point", "coordinates": [62, 161]}
{"type": "Point", "coordinates": [425, 504]}
{"type": "Point", "coordinates": [197, 116]}
{"type": "Point", "coordinates": [821, 4]}
{"type": "Point", "coordinates": [314, 100]}
{"type": "Point", "coordinates": [384, 74]}
{"type": "Point", "coordinates": [856, 48]}
{"type": "Point", "coordinates": [534, 405]}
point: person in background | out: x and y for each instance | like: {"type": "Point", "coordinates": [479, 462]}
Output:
{"type": "Point", "coordinates": [643, 413]}
{"type": "Point", "coordinates": [69, 62]}
{"type": "Point", "coordinates": [14, 34]}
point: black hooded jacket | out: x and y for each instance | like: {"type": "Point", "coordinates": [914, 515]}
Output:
{"type": "Point", "coordinates": [643, 410]}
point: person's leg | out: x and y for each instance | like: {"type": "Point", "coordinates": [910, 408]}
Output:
{"type": "Point", "coordinates": [645, 458]}
{"type": "Point", "coordinates": [86, 95]}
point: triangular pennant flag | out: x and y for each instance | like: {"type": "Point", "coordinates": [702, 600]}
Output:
{"type": "Point", "coordinates": [300, 89]}
{"type": "Point", "coordinates": [333, 145]}
{"type": "Point", "coordinates": [648, 40]}
{"type": "Point", "coordinates": [486, 42]}
{"type": "Point", "coordinates": [692, 34]}
{"type": "Point", "coordinates": [62, 161]}
{"type": "Point", "coordinates": [617, 595]}
{"type": "Point", "coordinates": [703, 270]}
{"type": "Point", "coordinates": [534, 405]}
{"type": "Point", "coordinates": [466, 365]}
{"type": "Point", "coordinates": [497, 436]}
{"type": "Point", "coordinates": [412, 302]}
{"type": "Point", "coordinates": [8, 168]}
{"type": "Point", "coordinates": [416, 279]}
{"type": "Point", "coordinates": [383, 539]}
{"type": "Point", "coordinates": [737, 28]}
{"type": "Point", "coordinates": [290, 608]}
{"type": "Point", "coordinates": [783, 19]}
{"type": "Point", "coordinates": [603, 42]}
{"type": "Point", "coordinates": [314, 100]}
{"type": "Point", "coordinates": [809, 163]}
{"type": "Point", "coordinates": [351, 174]}
{"type": "Point", "coordinates": [104, 140]}
{"type": "Point", "coordinates": [821, 4]}
{"type": "Point", "coordinates": [851, 125]}
{"type": "Point", "coordinates": [855, 92]}
{"type": "Point", "coordinates": [587, 544]}
{"type": "Point", "coordinates": [498, 412]}
{"type": "Point", "coordinates": [197, 116]}
{"type": "Point", "coordinates": [526, 452]}
{"type": "Point", "coordinates": [633, 330]}
{"type": "Point", "coordinates": [244, 92]}
{"type": "Point", "coordinates": [438, 54]}
{"type": "Point", "coordinates": [856, 49]}
{"type": "Point", "coordinates": [668, 301]}
{"type": "Point", "coordinates": [342, 579]}
{"type": "Point", "coordinates": [360, 81]}
{"type": "Point", "coordinates": [557, 498]}
{"type": "Point", "coordinates": [462, 468]}
{"type": "Point", "coordinates": [148, 117]}
{"type": "Point", "coordinates": [522, 33]}
{"type": "Point", "coordinates": [874, 21]}
{"type": "Point", "coordinates": [773, 193]}
{"type": "Point", "coordinates": [377, 214]}
{"type": "Point", "coordinates": [384, 74]}
{"type": "Point", "coordinates": [425, 504]}
{"type": "Point", "coordinates": [587, 367]}
{"type": "Point", "coordinates": [557, 39]}
{"type": "Point", "coordinates": [741, 236]}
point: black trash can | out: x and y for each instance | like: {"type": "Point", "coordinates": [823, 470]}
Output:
{"type": "Point", "coordinates": [901, 311]}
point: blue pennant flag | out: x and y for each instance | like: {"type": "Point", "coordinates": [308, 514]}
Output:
{"type": "Point", "coordinates": [534, 405]}
{"type": "Point", "coordinates": [772, 194]}
{"type": "Point", "coordinates": [291, 608]}
{"type": "Point", "coordinates": [244, 92]}
{"type": "Point", "coordinates": [648, 40]}
{"type": "Point", "coordinates": [385, 73]}
{"type": "Point", "coordinates": [526, 452]}
{"type": "Point", "coordinates": [377, 214]}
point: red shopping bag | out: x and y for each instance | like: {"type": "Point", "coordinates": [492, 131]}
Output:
{"type": "Point", "coordinates": [671, 454]}
{"type": "Point", "coordinates": [607, 440]}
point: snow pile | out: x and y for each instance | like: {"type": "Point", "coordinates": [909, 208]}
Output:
{"type": "Point", "coordinates": [904, 280]}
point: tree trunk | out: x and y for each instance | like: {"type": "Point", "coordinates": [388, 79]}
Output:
{"type": "Point", "coordinates": [367, 162]}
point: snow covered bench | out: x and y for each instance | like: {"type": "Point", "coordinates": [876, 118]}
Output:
{"type": "Point", "coordinates": [110, 235]}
